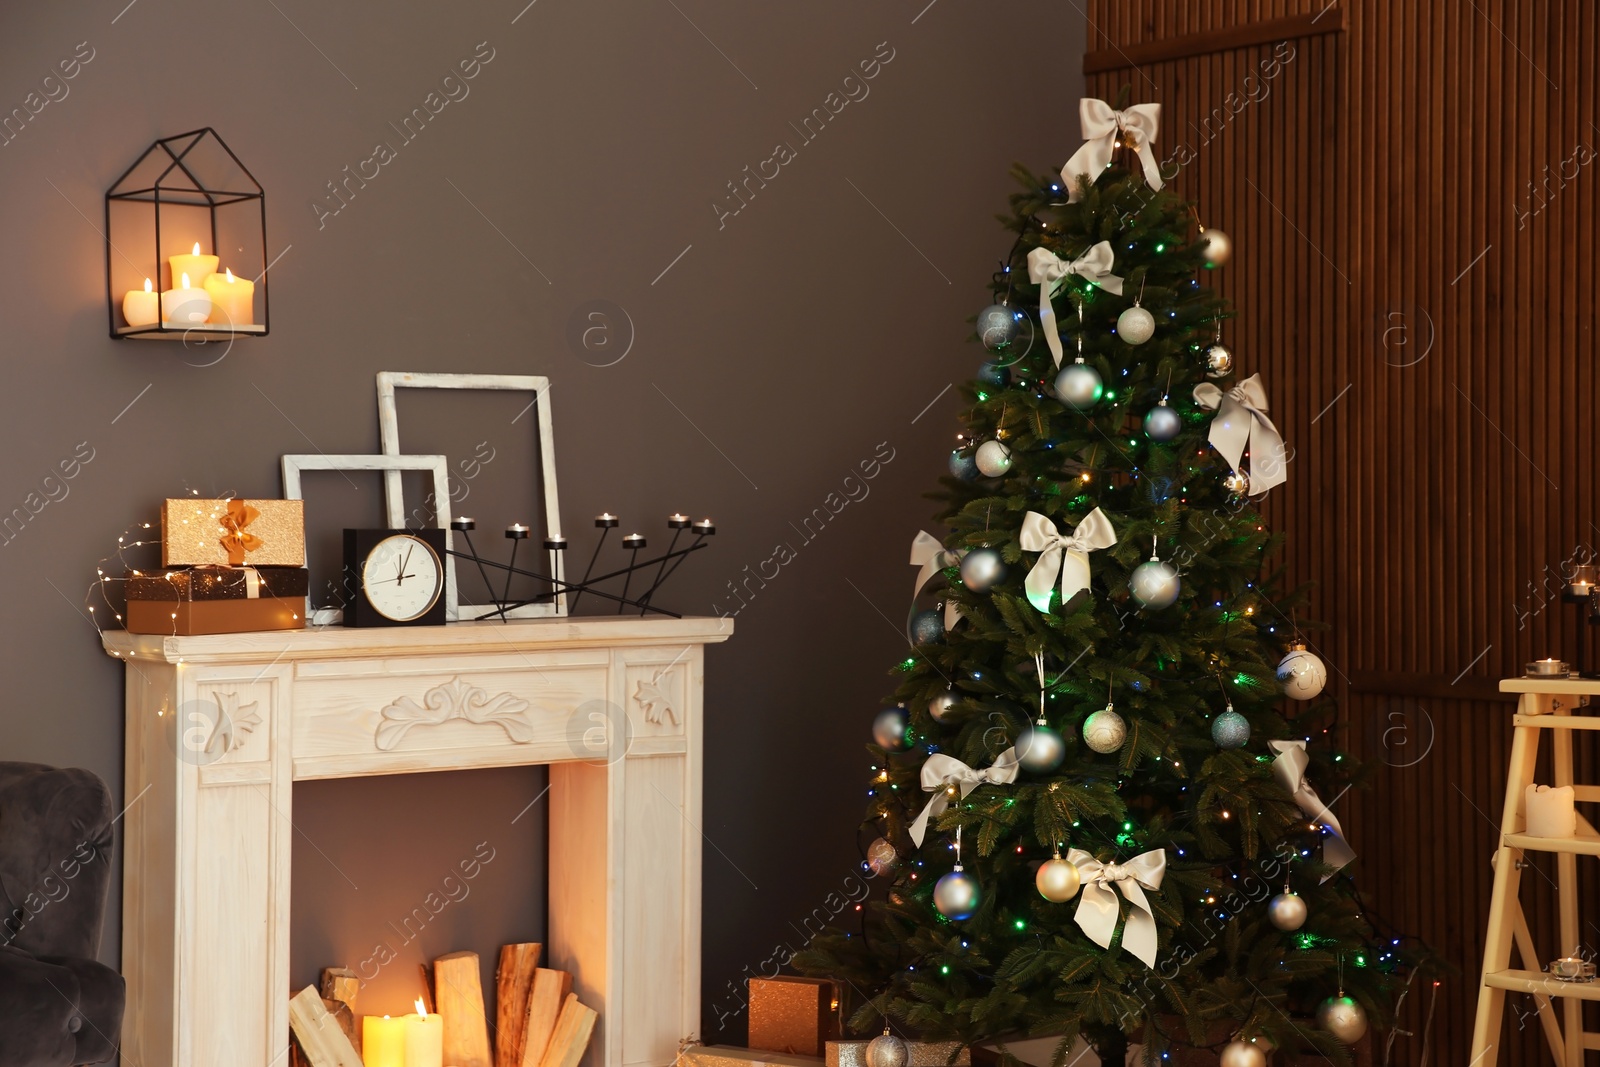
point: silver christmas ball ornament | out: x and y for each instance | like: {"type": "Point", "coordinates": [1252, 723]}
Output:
{"type": "Point", "coordinates": [1243, 1054]}
{"type": "Point", "coordinates": [1301, 673]}
{"type": "Point", "coordinates": [1104, 731]}
{"type": "Point", "coordinates": [998, 326]}
{"type": "Point", "coordinates": [1136, 325]}
{"type": "Point", "coordinates": [982, 569]}
{"type": "Point", "coordinates": [927, 627]}
{"type": "Point", "coordinates": [1057, 880]}
{"type": "Point", "coordinates": [889, 729]}
{"type": "Point", "coordinates": [1154, 584]}
{"type": "Point", "coordinates": [1040, 749]}
{"type": "Point", "coordinates": [1287, 911]}
{"type": "Point", "coordinates": [1219, 361]}
{"type": "Point", "coordinates": [993, 374]}
{"type": "Point", "coordinates": [1343, 1018]}
{"type": "Point", "coordinates": [993, 459]}
{"type": "Point", "coordinates": [962, 465]}
{"type": "Point", "coordinates": [1216, 247]}
{"type": "Point", "coordinates": [1161, 423]}
{"type": "Point", "coordinates": [940, 705]}
{"type": "Point", "coordinates": [1237, 483]}
{"type": "Point", "coordinates": [1230, 729]}
{"type": "Point", "coordinates": [956, 895]}
{"type": "Point", "coordinates": [1079, 386]}
{"type": "Point", "coordinates": [886, 1050]}
{"type": "Point", "coordinates": [881, 857]}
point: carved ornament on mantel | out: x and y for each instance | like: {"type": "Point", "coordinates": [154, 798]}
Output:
{"type": "Point", "coordinates": [455, 699]}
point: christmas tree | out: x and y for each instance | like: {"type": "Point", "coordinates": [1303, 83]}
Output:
{"type": "Point", "coordinates": [1094, 807]}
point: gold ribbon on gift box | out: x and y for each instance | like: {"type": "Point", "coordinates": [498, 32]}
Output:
{"type": "Point", "coordinates": [237, 541]}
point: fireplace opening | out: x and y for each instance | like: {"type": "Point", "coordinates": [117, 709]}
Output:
{"type": "Point", "coordinates": [392, 871]}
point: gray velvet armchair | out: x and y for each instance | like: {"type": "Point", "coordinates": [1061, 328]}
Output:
{"type": "Point", "coordinates": [59, 1006]}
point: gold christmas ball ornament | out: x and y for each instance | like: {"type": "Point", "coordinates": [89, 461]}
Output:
{"type": "Point", "coordinates": [1104, 731]}
{"type": "Point", "coordinates": [1287, 911]}
{"type": "Point", "coordinates": [1057, 880]}
{"type": "Point", "coordinates": [1243, 1054]}
{"type": "Point", "coordinates": [1217, 247]}
{"type": "Point", "coordinates": [1219, 361]}
{"type": "Point", "coordinates": [1237, 483]}
{"type": "Point", "coordinates": [940, 705]}
{"type": "Point", "coordinates": [881, 857]}
{"type": "Point", "coordinates": [1343, 1018]}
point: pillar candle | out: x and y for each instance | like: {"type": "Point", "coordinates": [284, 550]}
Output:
{"type": "Point", "coordinates": [196, 266]}
{"type": "Point", "coordinates": [383, 1041]}
{"type": "Point", "coordinates": [141, 308]}
{"type": "Point", "coordinates": [232, 299]}
{"type": "Point", "coordinates": [1550, 812]}
{"type": "Point", "coordinates": [185, 305]}
{"type": "Point", "coordinates": [424, 1039]}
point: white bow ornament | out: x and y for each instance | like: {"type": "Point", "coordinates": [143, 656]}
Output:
{"type": "Point", "coordinates": [1064, 554]}
{"type": "Point", "coordinates": [1102, 125]}
{"type": "Point", "coordinates": [930, 554]}
{"type": "Point", "coordinates": [1242, 419]}
{"type": "Point", "coordinates": [1050, 273]}
{"type": "Point", "coordinates": [1289, 768]}
{"type": "Point", "coordinates": [942, 773]}
{"type": "Point", "coordinates": [1098, 909]}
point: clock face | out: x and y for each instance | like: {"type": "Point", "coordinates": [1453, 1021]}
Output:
{"type": "Point", "coordinates": [402, 577]}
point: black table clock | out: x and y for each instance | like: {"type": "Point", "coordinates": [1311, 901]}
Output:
{"type": "Point", "coordinates": [394, 577]}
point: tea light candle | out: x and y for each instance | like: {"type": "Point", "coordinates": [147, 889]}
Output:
{"type": "Point", "coordinates": [383, 1041]}
{"type": "Point", "coordinates": [1549, 811]}
{"type": "Point", "coordinates": [424, 1038]}
{"type": "Point", "coordinates": [463, 523]}
{"type": "Point", "coordinates": [633, 541]}
{"type": "Point", "coordinates": [1546, 668]}
{"type": "Point", "coordinates": [556, 544]}
{"type": "Point", "coordinates": [194, 265]}
{"type": "Point", "coordinates": [185, 305]}
{"type": "Point", "coordinates": [705, 527]}
{"type": "Point", "coordinates": [141, 309]}
{"type": "Point", "coordinates": [517, 531]}
{"type": "Point", "coordinates": [605, 520]}
{"type": "Point", "coordinates": [232, 299]}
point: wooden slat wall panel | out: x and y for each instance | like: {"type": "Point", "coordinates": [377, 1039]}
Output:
{"type": "Point", "coordinates": [1430, 500]}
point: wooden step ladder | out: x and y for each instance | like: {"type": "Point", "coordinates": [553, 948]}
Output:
{"type": "Point", "coordinates": [1556, 705]}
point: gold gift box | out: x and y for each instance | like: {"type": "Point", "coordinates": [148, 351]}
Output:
{"type": "Point", "coordinates": [183, 618]}
{"type": "Point", "coordinates": [792, 1015]}
{"type": "Point", "coordinates": [197, 531]}
{"type": "Point", "coordinates": [728, 1056]}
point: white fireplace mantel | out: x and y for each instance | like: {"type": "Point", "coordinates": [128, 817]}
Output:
{"type": "Point", "coordinates": [220, 727]}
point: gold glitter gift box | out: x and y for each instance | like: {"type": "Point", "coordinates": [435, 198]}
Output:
{"type": "Point", "coordinates": [792, 1015]}
{"type": "Point", "coordinates": [919, 1054]}
{"type": "Point", "coordinates": [262, 533]}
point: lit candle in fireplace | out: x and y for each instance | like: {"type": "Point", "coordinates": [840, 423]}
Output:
{"type": "Point", "coordinates": [383, 1041]}
{"type": "Point", "coordinates": [424, 1038]}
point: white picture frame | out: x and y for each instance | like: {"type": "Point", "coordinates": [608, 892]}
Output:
{"type": "Point", "coordinates": [389, 437]}
{"type": "Point", "coordinates": [394, 503]}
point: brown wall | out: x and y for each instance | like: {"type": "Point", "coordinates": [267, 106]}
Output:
{"type": "Point", "coordinates": [769, 361]}
{"type": "Point", "coordinates": [1423, 318]}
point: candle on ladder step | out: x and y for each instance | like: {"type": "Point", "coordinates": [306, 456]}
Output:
{"type": "Point", "coordinates": [1550, 812]}
{"type": "Point", "coordinates": [424, 1038]}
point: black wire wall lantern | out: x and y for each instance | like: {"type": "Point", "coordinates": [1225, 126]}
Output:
{"type": "Point", "coordinates": [186, 244]}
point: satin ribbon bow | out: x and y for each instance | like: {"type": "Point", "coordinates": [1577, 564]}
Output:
{"type": "Point", "coordinates": [930, 554]}
{"type": "Point", "coordinates": [1101, 126]}
{"type": "Point", "coordinates": [1289, 768]}
{"type": "Point", "coordinates": [1098, 909]}
{"type": "Point", "coordinates": [1242, 418]}
{"type": "Point", "coordinates": [941, 773]}
{"type": "Point", "coordinates": [237, 541]}
{"type": "Point", "coordinates": [1066, 554]}
{"type": "Point", "coordinates": [1050, 272]}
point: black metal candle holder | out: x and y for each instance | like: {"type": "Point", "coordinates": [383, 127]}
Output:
{"type": "Point", "coordinates": [666, 564]}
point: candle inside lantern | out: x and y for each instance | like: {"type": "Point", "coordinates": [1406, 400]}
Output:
{"type": "Point", "coordinates": [232, 299]}
{"type": "Point", "coordinates": [424, 1038]}
{"type": "Point", "coordinates": [141, 308]}
{"type": "Point", "coordinates": [1549, 811]}
{"type": "Point", "coordinates": [383, 1042]}
{"type": "Point", "coordinates": [185, 305]}
{"type": "Point", "coordinates": [195, 265]}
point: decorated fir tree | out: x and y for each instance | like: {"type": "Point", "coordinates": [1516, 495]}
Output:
{"type": "Point", "coordinates": [1095, 808]}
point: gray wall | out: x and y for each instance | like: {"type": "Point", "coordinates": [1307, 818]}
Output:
{"type": "Point", "coordinates": [782, 346]}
